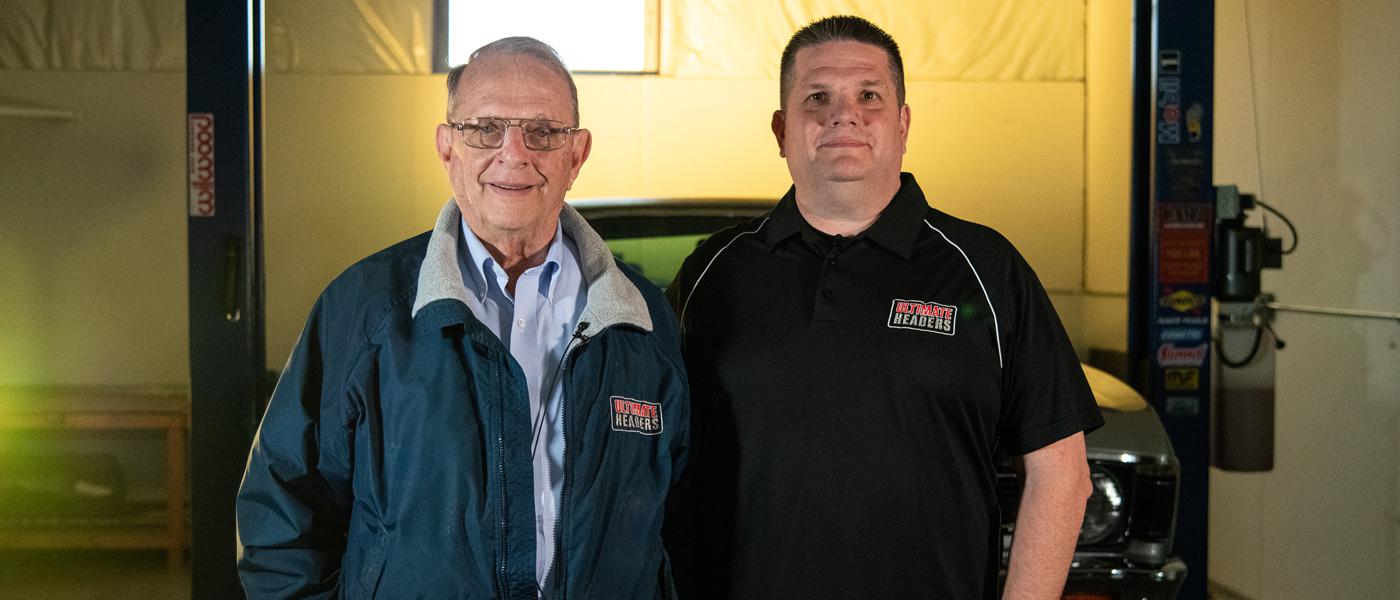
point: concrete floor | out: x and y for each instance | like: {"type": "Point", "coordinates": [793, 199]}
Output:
{"type": "Point", "coordinates": [135, 575]}
{"type": "Point", "coordinates": [90, 575]}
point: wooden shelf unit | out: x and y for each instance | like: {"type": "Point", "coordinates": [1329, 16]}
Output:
{"type": "Point", "coordinates": [81, 408]}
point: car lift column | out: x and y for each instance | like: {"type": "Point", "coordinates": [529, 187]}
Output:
{"type": "Point", "coordinates": [224, 84]}
{"type": "Point", "coordinates": [1173, 220]}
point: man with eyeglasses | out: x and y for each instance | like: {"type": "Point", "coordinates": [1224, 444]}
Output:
{"type": "Point", "coordinates": [493, 409]}
{"type": "Point", "coordinates": [858, 361]}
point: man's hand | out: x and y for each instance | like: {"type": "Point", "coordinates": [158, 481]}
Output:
{"type": "Point", "coordinates": [1056, 489]}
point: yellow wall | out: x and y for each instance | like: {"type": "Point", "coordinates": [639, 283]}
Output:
{"type": "Point", "coordinates": [1097, 315]}
{"type": "Point", "coordinates": [92, 231]}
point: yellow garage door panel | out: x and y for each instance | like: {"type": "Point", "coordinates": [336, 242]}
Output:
{"type": "Point", "coordinates": [1009, 155]}
{"type": "Point", "coordinates": [668, 137]}
{"type": "Point", "coordinates": [1109, 148]}
{"type": "Point", "coordinates": [350, 169]}
{"type": "Point", "coordinates": [1001, 40]}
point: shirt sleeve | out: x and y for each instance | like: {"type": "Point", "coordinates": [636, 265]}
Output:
{"type": "Point", "coordinates": [1045, 396]}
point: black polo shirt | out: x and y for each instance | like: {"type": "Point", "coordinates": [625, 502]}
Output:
{"type": "Point", "coordinates": [849, 396]}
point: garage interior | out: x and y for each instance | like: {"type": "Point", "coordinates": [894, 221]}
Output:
{"type": "Point", "coordinates": [1022, 116]}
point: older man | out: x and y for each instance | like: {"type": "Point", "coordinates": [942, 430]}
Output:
{"type": "Point", "coordinates": [493, 409]}
{"type": "Point", "coordinates": [858, 359]}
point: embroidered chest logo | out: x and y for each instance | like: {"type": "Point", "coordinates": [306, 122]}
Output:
{"type": "Point", "coordinates": [638, 416]}
{"type": "Point", "coordinates": [923, 316]}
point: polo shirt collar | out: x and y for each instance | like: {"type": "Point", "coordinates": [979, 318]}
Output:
{"type": "Point", "coordinates": [896, 229]}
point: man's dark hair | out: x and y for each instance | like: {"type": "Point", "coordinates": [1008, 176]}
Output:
{"type": "Point", "coordinates": [837, 29]}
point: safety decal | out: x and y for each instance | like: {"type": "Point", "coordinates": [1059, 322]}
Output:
{"type": "Point", "coordinates": [637, 416]}
{"type": "Point", "coordinates": [923, 316]}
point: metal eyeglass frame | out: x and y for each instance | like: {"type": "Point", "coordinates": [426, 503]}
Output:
{"type": "Point", "coordinates": [520, 123]}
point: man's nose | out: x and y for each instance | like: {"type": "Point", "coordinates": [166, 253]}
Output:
{"type": "Point", "coordinates": [843, 112]}
{"type": "Point", "coordinates": [513, 150]}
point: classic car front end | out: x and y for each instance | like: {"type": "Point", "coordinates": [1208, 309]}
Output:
{"type": "Point", "coordinates": [1124, 550]}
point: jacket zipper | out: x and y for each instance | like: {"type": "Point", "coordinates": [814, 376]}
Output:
{"type": "Point", "coordinates": [557, 561]}
{"type": "Point", "coordinates": [501, 582]}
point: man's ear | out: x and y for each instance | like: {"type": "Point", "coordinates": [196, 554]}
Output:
{"type": "Point", "coordinates": [444, 144]}
{"type": "Point", "coordinates": [904, 126]}
{"type": "Point", "coordinates": [779, 131]}
{"type": "Point", "coordinates": [578, 153]}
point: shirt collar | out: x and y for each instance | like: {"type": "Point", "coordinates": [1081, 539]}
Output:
{"type": "Point", "coordinates": [480, 268]}
{"type": "Point", "coordinates": [896, 229]}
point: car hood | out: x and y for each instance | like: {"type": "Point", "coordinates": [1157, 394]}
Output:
{"type": "Point", "coordinates": [1131, 437]}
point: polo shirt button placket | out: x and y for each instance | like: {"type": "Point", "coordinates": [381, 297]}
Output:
{"type": "Point", "coordinates": [825, 306]}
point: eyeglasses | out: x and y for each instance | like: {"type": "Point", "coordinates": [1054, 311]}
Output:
{"type": "Point", "coordinates": [490, 132]}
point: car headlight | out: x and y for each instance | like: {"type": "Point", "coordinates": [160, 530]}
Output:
{"type": "Point", "coordinates": [1105, 511]}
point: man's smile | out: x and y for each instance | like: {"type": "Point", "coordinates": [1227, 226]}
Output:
{"type": "Point", "coordinates": [511, 189]}
{"type": "Point", "coordinates": [843, 142]}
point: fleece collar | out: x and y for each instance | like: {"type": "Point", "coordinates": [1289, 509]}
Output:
{"type": "Point", "coordinates": [612, 298]}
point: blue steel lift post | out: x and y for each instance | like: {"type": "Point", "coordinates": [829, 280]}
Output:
{"type": "Point", "coordinates": [224, 81]}
{"type": "Point", "coordinates": [1169, 345]}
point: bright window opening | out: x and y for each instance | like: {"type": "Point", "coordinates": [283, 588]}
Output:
{"type": "Point", "coordinates": [618, 36]}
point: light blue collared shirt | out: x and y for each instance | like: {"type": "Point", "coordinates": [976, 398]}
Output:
{"type": "Point", "coordinates": [535, 326]}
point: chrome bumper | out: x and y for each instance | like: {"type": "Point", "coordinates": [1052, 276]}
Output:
{"type": "Point", "coordinates": [1121, 580]}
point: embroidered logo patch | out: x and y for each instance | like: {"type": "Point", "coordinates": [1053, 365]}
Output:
{"type": "Point", "coordinates": [638, 416]}
{"type": "Point", "coordinates": [923, 316]}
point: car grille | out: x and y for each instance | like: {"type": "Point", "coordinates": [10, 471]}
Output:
{"type": "Point", "coordinates": [1008, 499]}
{"type": "Point", "coordinates": [1152, 512]}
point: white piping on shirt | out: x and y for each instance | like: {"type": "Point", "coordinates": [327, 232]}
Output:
{"type": "Point", "coordinates": [996, 326]}
{"type": "Point", "coordinates": [686, 304]}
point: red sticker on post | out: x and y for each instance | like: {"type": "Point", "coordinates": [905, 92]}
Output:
{"type": "Point", "coordinates": [201, 164]}
{"type": "Point", "coordinates": [1183, 243]}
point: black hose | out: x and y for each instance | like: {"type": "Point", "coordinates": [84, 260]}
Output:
{"type": "Point", "coordinates": [1253, 350]}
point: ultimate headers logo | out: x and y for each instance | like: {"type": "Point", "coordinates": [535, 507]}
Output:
{"type": "Point", "coordinates": [638, 416]}
{"type": "Point", "coordinates": [923, 316]}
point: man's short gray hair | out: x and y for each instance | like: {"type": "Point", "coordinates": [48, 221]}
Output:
{"type": "Point", "coordinates": [514, 46]}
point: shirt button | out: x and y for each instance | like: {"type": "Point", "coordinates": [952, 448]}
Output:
{"type": "Point", "coordinates": [831, 260]}
{"type": "Point", "coordinates": [520, 323]}
{"type": "Point", "coordinates": [826, 293]}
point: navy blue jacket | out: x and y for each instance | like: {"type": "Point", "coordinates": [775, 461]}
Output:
{"type": "Point", "coordinates": [394, 458]}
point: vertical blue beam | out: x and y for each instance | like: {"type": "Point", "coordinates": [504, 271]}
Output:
{"type": "Point", "coordinates": [224, 78]}
{"type": "Point", "coordinates": [1173, 227]}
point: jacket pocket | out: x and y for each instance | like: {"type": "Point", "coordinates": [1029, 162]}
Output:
{"type": "Point", "coordinates": [368, 580]}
